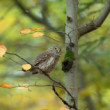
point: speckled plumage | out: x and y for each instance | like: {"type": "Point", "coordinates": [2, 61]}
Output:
{"type": "Point", "coordinates": [47, 60]}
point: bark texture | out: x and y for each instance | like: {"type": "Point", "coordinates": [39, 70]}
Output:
{"type": "Point", "coordinates": [72, 37]}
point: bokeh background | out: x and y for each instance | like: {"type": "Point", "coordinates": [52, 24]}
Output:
{"type": "Point", "coordinates": [94, 54]}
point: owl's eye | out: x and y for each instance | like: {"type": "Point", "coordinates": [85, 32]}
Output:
{"type": "Point", "coordinates": [58, 50]}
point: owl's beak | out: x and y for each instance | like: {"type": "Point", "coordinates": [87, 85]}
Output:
{"type": "Point", "coordinates": [58, 50]}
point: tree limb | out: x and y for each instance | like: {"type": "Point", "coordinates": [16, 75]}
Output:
{"type": "Point", "coordinates": [64, 101]}
{"type": "Point", "coordinates": [93, 25]}
{"type": "Point", "coordinates": [19, 57]}
{"type": "Point", "coordinates": [35, 18]}
{"type": "Point", "coordinates": [62, 86]}
{"type": "Point", "coordinates": [50, 78]}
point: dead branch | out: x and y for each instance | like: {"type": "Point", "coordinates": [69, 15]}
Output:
{"type": "Point", "coordinates": [95, 24]}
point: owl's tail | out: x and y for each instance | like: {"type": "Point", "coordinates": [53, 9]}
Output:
{"type": "Point", "coordinates": [34, 70]}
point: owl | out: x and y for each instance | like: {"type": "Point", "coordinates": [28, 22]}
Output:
{"type": "Point", "coordinates": [46, 61]}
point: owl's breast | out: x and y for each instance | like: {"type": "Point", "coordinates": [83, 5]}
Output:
{"type": "Point", "coordinates": [47, 65]}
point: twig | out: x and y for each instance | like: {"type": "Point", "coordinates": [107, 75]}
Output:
{"type": "Point", "coordinates": [61, 85]}
{"type": "Point", "coordinates": [19, 57]}
{"type": "Point", "coordinates": [65, 102]}
{"type": "Point", "coordinates": [35, 18]}
{"type": "Point", "coordinates": [14, 61]}
{"type": "Point", "coordinates": [95, 24]}
{"type": "Point", "coordinates": [63, 33]}
{"type": "Point", "coordinates": [49, 77]}
{"type": "Point", "coordinates": [34, 85]}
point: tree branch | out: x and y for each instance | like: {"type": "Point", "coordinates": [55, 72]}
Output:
{"type": "Point", "coordinates": [35, 85]}
{"type": "Point", "coordinates": [19, 57]}
{"type": "Point", "coordinates": [64, 101]}
{"type": "Point", "coordinates": [50, 78]}
{"type": "Point", "coordinates": [62, 86]}
{"type": "Point", "coordinates": [93, 25]}
{"type": "Point", "coordinates": [44, 9]}
{"type": "Point", "coordinates": [35, 18]}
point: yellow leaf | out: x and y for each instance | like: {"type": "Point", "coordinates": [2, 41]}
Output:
{"type": "Point", "coordinates": [38, 34]}
{"type": "Point", "coordinates": [34, 29]}
{"type": "Point", "coordinates": [26, 67]}
{"type": "Point", "coordinates": [3, 50]}
{"type": "Point", "coordinates": [25, 31]}
{"type": "Point", "coordinates": [5, 84]}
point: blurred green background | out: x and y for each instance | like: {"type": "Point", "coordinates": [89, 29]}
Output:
{"type": "Point", "coordinates": [94, 54]}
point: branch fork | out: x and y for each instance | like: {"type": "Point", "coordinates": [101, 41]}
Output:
{"type": "Point", "coordinates": [59, 84]}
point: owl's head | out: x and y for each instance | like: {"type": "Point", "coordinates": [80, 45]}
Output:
{"type": "Point", "coordinates": [55, 50]}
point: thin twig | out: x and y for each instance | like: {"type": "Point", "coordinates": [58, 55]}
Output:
{"type": "Point", "coordinates": [68, 34]}
{"type": "Point", "coordinates": [64, 101]}
{"type": "Point", "coordinates": [19, 57]}
{"type": "Point", "coordinates": [34, 85]}
{"type": "Point", "coordinates": [60, 84]}
{"type": "Point", "coordinates": [14, 61]}
{"type": "Point", "coordinates": [96, 23]}
{"type": "Point", "coordinates": [49, 77]}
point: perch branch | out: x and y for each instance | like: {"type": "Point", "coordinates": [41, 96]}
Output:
{"type": "Point", "coordinates": [93, 25]}
{"type": "Point", "coordinates": [61, 85]}
{"type": "Point", "coordinates": [50, 78]}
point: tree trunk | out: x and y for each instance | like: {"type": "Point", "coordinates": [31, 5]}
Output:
{"type": "Point", "coordinates": [72, 35]}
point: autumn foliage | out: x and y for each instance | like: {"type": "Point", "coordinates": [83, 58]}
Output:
{"type": "Point", "coordinates": [26, 31]}
{"type": "Point", "coordinates": [26, 67]}
{"type": "Point", "coordinates": [3, 50]}
{"type": "Point", "coordinates": [5, 84]}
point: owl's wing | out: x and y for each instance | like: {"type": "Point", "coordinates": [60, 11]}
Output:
{"type": "Point", "coordinates": [42, 57]}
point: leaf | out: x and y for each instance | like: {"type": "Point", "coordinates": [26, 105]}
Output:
{"type": "Point", "coordinates": [26, 67]}
{"type": "Point", "coordinates": [5, 84]}
{"type": "Point", "coordinates": [26, 31]}
{"type": "Point", "coordinates": [34, 29]}
{"type": "Point", "coordinates": [63, 108]}
{"type": "Point", "coordinates": [3, 50]}
{"type": "Point", "coordinates": [38, 34]}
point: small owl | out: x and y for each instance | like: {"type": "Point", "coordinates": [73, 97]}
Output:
{"type": "Point", "coordinates": [47, 60]}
